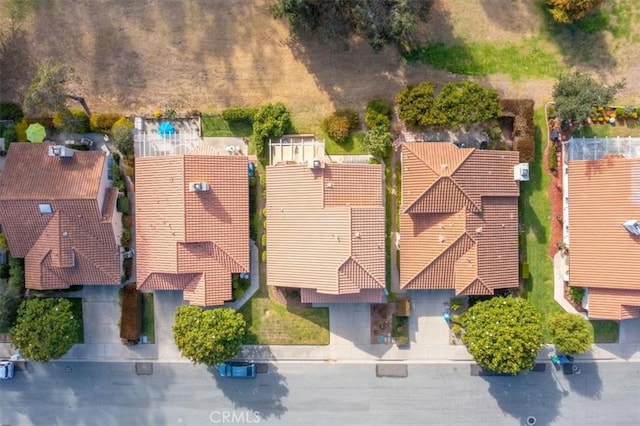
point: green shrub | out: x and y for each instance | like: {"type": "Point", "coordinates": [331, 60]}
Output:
{"type": "Point", "coordinates": [21, 130]}
{"type": "Point", "coordinates": [270, 121]}
{"type": "Point", "coordinates": [243, 114]}
{"type": "Point", "coordinates": [416, 106]}
{"type": "Point", "coordinates": [10, 135]}
{"type": "Point", "coordinates": [553, 158]}
{"type": "Point", "coordinates": [456, 329]}
{"type": "Point", "coordinates": [122, 205]}
{"type": "Point", "coordinates": [73, 121]}
{"type": "Point", "coordinates": [103, 122]}
{"type": "Point", "coordinates": [620, 112]}
{"type": "Point", "coordinates": [464, 103]}
{"type": "Point", "coordinates": [131, 318]}
{"type": "Point", "coordinates": [264, 240]}
{"type": "Point", "coordinates": [264, 256]}
{"type": "Point", "coordinates": [339, 125]}
{"type": "Point", "coordinates": [524, 272]}
{"type": "Point", "coordinates": [122, 133]}
{"type": "Point", "coordinates": [11, 111]}
{"type": "Point", "coordinates": [378, 113]}
{"type": "Point", "coordinates": [576, 294]}
{"type": "Point", "coordinates": [125, 240]}
{"type": "Point", "coordinates": [455, 304]}
{"type": "Point", "coordinates": [378, 141]}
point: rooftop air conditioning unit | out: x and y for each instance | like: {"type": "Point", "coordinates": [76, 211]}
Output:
{"type": "Point", "coordinates": [199, 187]}
{"type": "Point", "coordinates": [521, 172]}
{"type": "Point", "coordinates": [60, 151]}
{"type": "Point", "coordinates": [632, 226]}
{"type": "Point", "coordinates": [316, 164]}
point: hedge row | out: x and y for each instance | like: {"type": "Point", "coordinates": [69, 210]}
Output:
{"type": "Point", "coordinates": [131, 319]}
{"type": "Point", "coordinates": [523, 128]}
{"type": "Point", "coordinates": [245, 114]}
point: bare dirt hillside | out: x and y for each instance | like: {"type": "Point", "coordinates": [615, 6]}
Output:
{"type": "Point", "coordinates": [137, 56]}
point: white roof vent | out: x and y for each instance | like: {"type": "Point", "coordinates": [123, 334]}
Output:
{"type": "Point", "coordinates": [441, 238]}
{"type": "Point", "coordinates": [632, 226]}
{"type": "Point", "coordinates": [521, 172]}
{"type": "Point", "coordinates": [199, 187]}
{"type": "Point", "coordinates": [59, 151]}
{"type": "Point", "coordinates": [316, 164]}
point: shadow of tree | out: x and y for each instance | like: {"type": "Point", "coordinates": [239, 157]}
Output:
{"type": "Point", "coordinates": [587, 382]}
{"type": "Point", "coordinates": [15, 62]}
{"type": "Point", "coordinates": [528, 394]}
{"type": "Point", "coordinates": [262, 395]}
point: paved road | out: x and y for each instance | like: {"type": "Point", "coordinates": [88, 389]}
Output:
{"type": "Point", "coordinates": [316, 393]}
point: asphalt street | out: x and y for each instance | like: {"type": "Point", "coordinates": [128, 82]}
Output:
{"type": "Point", "coordinates": [317, 394]}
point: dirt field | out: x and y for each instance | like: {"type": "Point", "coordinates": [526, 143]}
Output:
{"type": "Point", "coordinates": [137, 56]}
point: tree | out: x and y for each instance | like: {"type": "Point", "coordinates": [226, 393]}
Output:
{"type": "Point", "coordinates": [567, 11]}
{"type": "Point", "coordinates": [339, 125]}
{"type": "Point", "coordinates": [271, 121]}
{"type": "Point", "coordinates": [467, 102]}
{"type": "Point", "coordinates": [576, 93]}
{"type": "Point", "coordinates": [503, 334]}
{"type": "Point", "coordinates": [571, 333]}
{"type": "Point", "coordinates": [378, 141]}
{"type": "Point", "coordinates": [379, 22]}
{"type": "Point", "coordinates": [208, 336]}
{"type": "Point", "coordinates": [378, 113]}
{"type": "Point", "coordinates": [48, 90]}
{"type": "Point", "coordinates": [416, 106]}
{"type": "Point", "coordinates": [122, 134]}
{"type": "Point", "coordinates": [46, 329]}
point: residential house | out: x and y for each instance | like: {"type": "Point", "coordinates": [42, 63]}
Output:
{"type": "Point", "coordinates": [58, 212]}
{"type": "Point", "coordinates": [601, 224]}
{"type": "Point", "coordinates": [192, 224]}
{"type": "Point", "coordinates": [459, 218]}
{"type": "Point", "coordinates": [326, 230]}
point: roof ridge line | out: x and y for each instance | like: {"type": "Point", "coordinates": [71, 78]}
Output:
{"type": "Point", "coordinates": [442, 253]}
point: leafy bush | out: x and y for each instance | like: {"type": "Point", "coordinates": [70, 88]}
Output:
{"type": "Point", "coordinates": [466, 102]}
{"type": "Point", "coordinates": [122, 205]}
{"type": "Point", "coordinates": [271, 121]}
{"type": "Point", "coordinates": [416, 105]}
{"type": "Point", "coordinates": [243, 114]}
{"type": "Point", "coordinates": [72, 121]}
{"type": "Point", "coordinates": [11, 111]}
{"type": "Point", "coordinates": [208, 336]}
{"type": "Point", "coordinates": [339, 125]}
{"type": "Point", "coordinates": [9, 306]}
{"type": "Point", "coordinates": [125, 239]}
{"type": "Point", "coordinates": [10, 135]}
{"type": "Point", "coordinates": [553, 158]}
{"type": "Point", "coordinates": [378, 113]}
{"type": "Point", "coordinates": [523, 127]}
{"type": "Point", "coordinates": [567, 11]}
{"type": "Point", "coordinates": [131, 317]}
{"type": "Point", "coordinates": [571, 333]}
{"type": "Point", "coordinates": [103, 122]}
{"type": "Point", "coordinates": [46, 329]}
{"type": "Point", "coordinates": [122, 133]}
{"type": "Point", "coordinates": [21, 130]}
{"type": "Point", "coordinates": [378, 141]}
{"type": "Point", "coordinates": [456, 329]}
{"type": "Point", "coordinates": [455, 304]}
{"type": "Point", "coordinates": [576, 294]}
{"type": "Point", "coordinates": [524, 273]}
{"type": "Point", "coordinates": [264, 240]}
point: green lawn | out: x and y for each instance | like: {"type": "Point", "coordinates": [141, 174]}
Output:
{"type": "Point", "coordinates": [631, 128]}
{"type": "Point", "coordinates": [148, 328]}
{"type": "Point", "coordinates": [605, 331]}
{"type": "Point", "coordinates": [519, 60]}
{"type": "Point", "coordinates": [352, 146]}
{"type": "Point", "coordinates": [215, 126]}
{"type": "Point", "coordinates": [76, 308]}
{"type": "Point", "coordinates": [535, 216]}
{"type": "Point", "coordinates": [271, 323]}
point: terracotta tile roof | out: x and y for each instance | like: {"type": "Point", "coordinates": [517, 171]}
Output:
{"type": "Point", "coordinates": [614, 304]}
{"type": "Point", "coordinates": [459, 220]}
{"type": "Point", "coordinates": [75, 244]}
{"type": "Point", "coordinates": [308, 295]}
{"type": "Point", "coordinates": [187, 240]}
{"type": "Point", "coordinates": [604, 194]}
{"type": "Point", "coordinates": [326, 228]}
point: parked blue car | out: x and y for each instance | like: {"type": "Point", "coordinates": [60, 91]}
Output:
{"type": "Point", "coordinates": [237, 369]}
